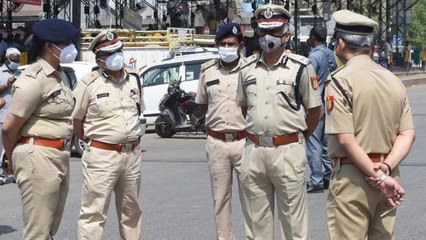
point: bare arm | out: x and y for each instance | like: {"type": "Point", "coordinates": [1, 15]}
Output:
{"type": "Point", "coordinates": [3, 87]}
{"type": "Point", "coordinates": [204, 108]}
{"type": "Point", "coordinates": [313, 116]}
{"type": "Point", "coordinates": [78, 129]}
{"type": "Point", "coordinates": [2, 103]}
{"type": "Point", "coordinates": [399, 151]}
{"type": "Point", "coordinates": [244, 111]}
{"type": "Point", "coordinates": [357, 155]}
{"type": "Point", "coordinates": [10, 135]}
{"type": "Point", "coordinates": [400, 148]}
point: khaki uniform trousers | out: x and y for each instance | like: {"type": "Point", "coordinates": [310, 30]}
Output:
{"type": "Point", "coordinates": [223, 158]}
{"type": "Point", "coordinates": [42, 175]}
{"type": "Point", "coordinates": [355, 210]}
{"type": "Point", "coordinates": [269, 172]}
{"type": "Point", "coordinates": [105, 171]}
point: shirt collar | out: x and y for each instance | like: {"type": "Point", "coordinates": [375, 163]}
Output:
{"type": "Point", "coordinates": [48, 69]}
{"type": "Point", "coordinates": [281, 60]}
{"type": "Point", "coordinates": [124, 75]}
{"type": "Point", "coordinates": [318, 47]}
{"type": "Point", "coordinates": [358, 58]}
{"type": "Point", "coordinates": [220, 64]}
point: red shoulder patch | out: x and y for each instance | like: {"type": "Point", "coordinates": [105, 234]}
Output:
{"type": "Point", "coordinates": [314, 82]}
{"type": "Point", "coordinates": [329, 102]}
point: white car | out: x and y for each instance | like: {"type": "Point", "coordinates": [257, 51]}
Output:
{"type": "Point", "coordinates": [75, 71]}
{"type": "Point", "coordinates": [156, 77]}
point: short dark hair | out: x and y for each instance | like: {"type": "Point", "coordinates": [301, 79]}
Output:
{"type": "Point", "coordinates": [37, 45]}
{"type": "Point", "coordinates": [320, 33]}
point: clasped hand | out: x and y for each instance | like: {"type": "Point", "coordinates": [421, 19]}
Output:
{"type": "Point", "coordinates": [392, 190]}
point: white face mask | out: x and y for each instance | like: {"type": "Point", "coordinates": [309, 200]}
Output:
{"type": "Point", "coordinates": [228, 54]}
{"type": "Point", "coordinates": [114, 62]}
{"type": "Point", "coordinates": [68, 54]}
{"type": "Point", "coordinates": [270, 43]}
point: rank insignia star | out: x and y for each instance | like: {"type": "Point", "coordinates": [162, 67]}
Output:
{"type": "Point", "coordinates": [314, 82]}
{"type": "Point", "coordinates": [329, 102]}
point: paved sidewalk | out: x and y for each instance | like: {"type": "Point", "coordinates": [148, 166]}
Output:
{"type": "Point", "coordinates": [416, 76]}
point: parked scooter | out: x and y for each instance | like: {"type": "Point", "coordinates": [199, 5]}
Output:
{"type": "Point", "coordinates": [179, 112]}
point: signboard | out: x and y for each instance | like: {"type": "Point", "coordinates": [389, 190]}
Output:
{"type": "Point", "coordinates": [31, 2]}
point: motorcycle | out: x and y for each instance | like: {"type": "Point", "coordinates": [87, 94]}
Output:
{"type": "Point", "coordinates": [178, 112]}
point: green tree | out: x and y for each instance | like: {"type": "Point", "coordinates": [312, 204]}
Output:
{"type": "Point", "coordinates": [417, 28]}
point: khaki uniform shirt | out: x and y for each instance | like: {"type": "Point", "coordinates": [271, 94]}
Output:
{"type": "Point", "coordinates": [109, 109]}
{"type": "Point", "coordinates": [43, 96]}
{"type": "Point", "coordinates": [262, 91]}
{"type": "Point", "coordinates": [380, 108]}
{"type": "Point", "coordinates": [217, 88]}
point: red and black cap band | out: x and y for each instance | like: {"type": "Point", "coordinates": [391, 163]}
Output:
{"type": "Point", "coordinates": [105, 43]}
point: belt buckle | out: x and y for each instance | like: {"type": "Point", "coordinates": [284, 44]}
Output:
{"type": "Point", "coordinates": [126, 147]}
{"type": "Point", "coordinates": [265, 141]}
{"type": "Point", "coordinates": [230, 137]}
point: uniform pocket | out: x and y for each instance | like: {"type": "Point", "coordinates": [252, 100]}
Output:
{"type": "Point", "coordinates": [284, 96]}
{"type": "Point", "coordinates": [104, 107]}
{"type": "Point", "coordinates": [214, 93]}
{"type": "Point", "coordinates": [57, 104]}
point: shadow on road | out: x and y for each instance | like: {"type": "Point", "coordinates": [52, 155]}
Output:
{"type": "Point", "coordinates": [5, 229]}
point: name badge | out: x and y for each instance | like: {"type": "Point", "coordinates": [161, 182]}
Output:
{"type": "Point", "coordinates": [284, 82]}
{"type": "Point", "coordinates": [213, 82]}
{"type": "Point", "coordinates": [102, 95]}
{"type": "Point", "coordinates": [249, 82]}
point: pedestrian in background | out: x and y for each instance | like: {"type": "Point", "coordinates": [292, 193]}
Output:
{"type": "Point", "coordinates": [368, 137]}
{"type": "Point", "coordinates": [8, 75]}
{"type": "Point", "coordinates": [278, 93]}
{"type": "Point", "coordinates": [322, 59]}
{"type": "Point", "coordinates": [389, 51]}
{"type": "Point", "coordinates": [37, 131]}
{"type": "Point", "coordinates": [106, 116]}
{"type": "Point", "coordinates": [3, 46]}
{"type": "Point", "coordinates": [216, 95]}
{"type": "Point", "coordinates": [407, 52]}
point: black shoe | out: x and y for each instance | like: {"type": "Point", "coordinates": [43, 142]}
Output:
{"type": "Point", "coordinates": [314, 189]}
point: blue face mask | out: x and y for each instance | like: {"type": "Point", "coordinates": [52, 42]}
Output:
{"type": "Point", "coordinates": [13, 66]}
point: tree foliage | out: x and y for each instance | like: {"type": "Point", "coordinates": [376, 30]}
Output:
{"type": "Point", "coordinates": [417, 28]}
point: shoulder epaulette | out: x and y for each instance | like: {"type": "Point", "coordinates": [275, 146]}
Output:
{"type": "Point", "coordinates": [337, 70]}
{"type": "Point", "coordinates": [299, 58]}
{"type": "Point", "coordinates": [249, 60]}
{"type": "Point", "coordinates": [89, 78]}
{"type": "Point", "coordinates": [208, 64]}
{"type": "Point", "coordinates": [33, 71]}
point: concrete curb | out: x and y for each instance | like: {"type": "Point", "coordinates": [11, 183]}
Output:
{"type": "Point", "coordinates": [414, 82]}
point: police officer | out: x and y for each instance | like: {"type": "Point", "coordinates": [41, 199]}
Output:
{"type": "Point", "coordinates": [225, 141]}
{"type": "Point", "coordinates": [38, 129]}
{"type": "Point", "coordinates": [278, 93]}
{"type": "Point", "coordinates": [370, 128]}
{"type": "Point", "coordinates": [322, 59]}
{"type": "Point", "coordinates": [108, 105]}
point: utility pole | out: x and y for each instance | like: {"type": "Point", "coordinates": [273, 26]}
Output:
{"type": "Point", "coordinates": [76, 19]}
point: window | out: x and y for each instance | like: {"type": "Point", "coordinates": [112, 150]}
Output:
{"type": "Point", "coordinates": [72, 79]}
{"type": "Point", "coordinates": [160, 75]}
{"type": "Point", "coordinates": [192, 71]}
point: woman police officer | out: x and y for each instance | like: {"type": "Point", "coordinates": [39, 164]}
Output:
{"type": "Point", "coordinates": [38, 129]}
